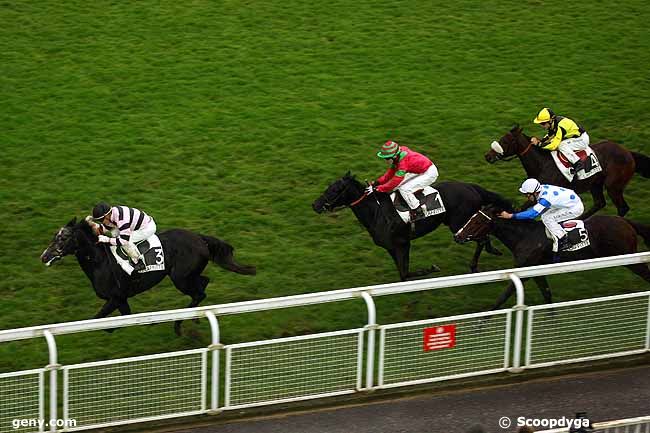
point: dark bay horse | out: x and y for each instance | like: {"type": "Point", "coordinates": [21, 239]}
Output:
{"type": "Point", "coordinates": [378, 215]}
{"type": "Point", "coordinates": [527, 240]}
{"type": "Point", "coordinates": [186, 255]}
{"type": "Point", "coordinates": [618, 163]}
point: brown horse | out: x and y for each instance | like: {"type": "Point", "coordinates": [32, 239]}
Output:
{"type": "Point", "coordinates": [618, 163]}
{"type": "Point", "coordinates": [527, 240]}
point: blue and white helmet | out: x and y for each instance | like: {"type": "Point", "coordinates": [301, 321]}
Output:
{"type": "Point", "coordinates": [530, 186]}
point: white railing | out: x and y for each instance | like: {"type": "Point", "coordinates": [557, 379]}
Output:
{"type": "Point", "coordinates": [482, 347]}
{"type": "Point", "coordinates": [588, 329]}
{"type": "Point", "coordinates": [630, 425]}
{"type": "Point", "coordinates": [320, 365]}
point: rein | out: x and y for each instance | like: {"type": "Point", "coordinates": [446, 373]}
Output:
{"type": "Point", "coordinates": [359, 200]}
{"type": "Point", "coordinates": [330, 206]}
{"type": "Point", "coordinates": [518, 154]}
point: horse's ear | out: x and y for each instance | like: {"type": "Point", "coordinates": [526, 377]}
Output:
{"type": "Point", "coordinates": [515, 127]}
{"type": "Point", "coordinates": [347, 174]}
{"type": "Point", "coordinates": [72, 222]}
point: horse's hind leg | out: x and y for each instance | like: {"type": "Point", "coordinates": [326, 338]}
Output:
{"type": "Point", "coordinates": [641, 270]}
{"type": "Point", "coordinates": [616, 194]}
{"type": "Point", "coordinates": [193, 286]}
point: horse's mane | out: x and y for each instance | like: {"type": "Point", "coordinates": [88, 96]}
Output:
{"type": "Point", "coordinates": [83, 227]}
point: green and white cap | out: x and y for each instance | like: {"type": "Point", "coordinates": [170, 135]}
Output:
{"type": "Point", "coordinates": [388, 150]}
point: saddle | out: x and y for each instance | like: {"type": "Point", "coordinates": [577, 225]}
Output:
{"type": "Point", "coordinates": [589, 159]}
{"type": "Point", "coordinates": [578, 236]}
{"type": "Point", "coordinates": [151, 252]}
{"type": "Point", "coordinates": [430, 204]}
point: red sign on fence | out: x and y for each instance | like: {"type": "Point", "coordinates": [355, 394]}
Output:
{"type": "Point", "coordinates": [439, 337]}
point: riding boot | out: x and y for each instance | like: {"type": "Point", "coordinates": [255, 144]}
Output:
{"type": "Point", "coordinates": [134, 255]}
{"type": "Point", "coordinates": [416, 213]}
{"type": "Point", "coordinates": [580, 165]}
{"type": "Point", "coordinates": [563, 243]}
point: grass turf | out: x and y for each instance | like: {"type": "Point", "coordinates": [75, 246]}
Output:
{"type": "Point", "coordinates": [230, 118]}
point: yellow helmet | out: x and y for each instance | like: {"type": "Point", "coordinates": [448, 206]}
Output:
{"type": "Point", "coordinates": [545, 115]}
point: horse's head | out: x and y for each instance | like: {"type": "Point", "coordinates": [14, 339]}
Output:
{"type": "Point", "coordinates": [479, 226]}
{"type": "Point", "coordinates": [341, 193]}
{"type": "Point", "coordinates": [64, 243]}
{"type": "Point", "coordinates": [513, 143]}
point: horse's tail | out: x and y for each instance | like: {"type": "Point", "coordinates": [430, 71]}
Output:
{"type": "Point", "coordinates": [489, 197]}
{"type": "Point", "coordinates": [222, 254]}
{"type": "Point", "coordinates": [642, 230]}
{"type": "Point", "coordinates": [642, 164]}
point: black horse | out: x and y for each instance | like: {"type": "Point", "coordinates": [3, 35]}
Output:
{"type": "Point", "coordinates": [527, 240]}
{"type": "Point", "coordinates": [618, 163]}
{"type": "Point", "coordinates": [186, 255]}
{"type": "Point", "coordinates": [378, 215]}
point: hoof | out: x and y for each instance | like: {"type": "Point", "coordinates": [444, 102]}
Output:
{"type": "Point", "coordinates": [434, 268]}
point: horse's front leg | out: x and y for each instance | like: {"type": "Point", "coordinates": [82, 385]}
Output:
{"type": "Point", "coordinates": [473, 265]}
{"type": "Point", "coordinates": [110, 306]}
{"type": "Point", "coordinates": [490, 248]}
{"type": "Point", "coordinates": [598, 197]}
{"type": "Point", "coordinates": [401, 256]}
{"type": "Point", "coordinates": [544, 289]}
{"type": "Point", "coordinates": [124, 307]}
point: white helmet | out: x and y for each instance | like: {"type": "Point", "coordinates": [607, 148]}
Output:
{"type": "Point", "coordinates": [530, 186]}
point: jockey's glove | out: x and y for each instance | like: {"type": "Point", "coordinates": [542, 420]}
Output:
{"type": "Point", "coordinates": [103, 239]}
{"type": "Point", "coordinates": [370, 189]}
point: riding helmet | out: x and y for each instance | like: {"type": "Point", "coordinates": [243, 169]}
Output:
{"type": "Point", "coordinates": [100, 210]}
{"type": "Point", "coordinates": [545, 115]}
{"type": "Point", "coordinates": [388, 150]}
{"type": "Point", "coordinates": [530, 186]}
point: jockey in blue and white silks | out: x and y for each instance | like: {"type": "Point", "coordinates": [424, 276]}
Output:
{"type": "Point", "coordinates": [554, 204]}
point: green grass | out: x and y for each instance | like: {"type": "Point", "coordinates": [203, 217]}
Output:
{"type": "Point", "coordinates": [229, 118]}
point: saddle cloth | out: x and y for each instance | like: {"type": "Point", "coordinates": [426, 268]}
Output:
{"type": "Point", "coordinates": [430, 202]}
{"type": "Point", "coordinates": [151, 251]}
{"type": "Point", "coordinates": [577, 233]}
{"type": "Point", "coordinates": [592, 165]}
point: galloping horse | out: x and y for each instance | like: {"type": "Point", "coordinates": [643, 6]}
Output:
{"type": "Point", "coordinates": [527, 240]}
{"type": "Point", "coordinates": [618, 164]}
{"type": "Point", "coordinates": [186, 255]}
{"type": "Point", "coordinates": [387, 229]}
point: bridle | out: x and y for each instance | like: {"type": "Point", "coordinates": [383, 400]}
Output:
{"type": "Point", "coordinates": [330, 206]}
{"type": "Point", "coordinates": [517, 154]}
{"type": "Point", "coordinates": [483, 214]}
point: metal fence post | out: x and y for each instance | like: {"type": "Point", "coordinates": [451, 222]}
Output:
{"type": "Point", "coordinates": [519, 323]}
{"type": "Point", "coordinates": [53, 366]}
{"type": "Point", "coordinates": [370, 327]}
{"type": "Point", "coordinates": [647, 333]}
{"type": "Point", "coordinates": [215, 347]}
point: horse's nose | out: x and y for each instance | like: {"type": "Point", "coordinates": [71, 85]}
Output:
{"type": "Point", "coordinates": [489, 157]}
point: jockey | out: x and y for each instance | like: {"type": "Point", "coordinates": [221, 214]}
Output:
{"type": "Point", "coordinates": [554, 204]}
{"type": "Point", "coordinates": [562, 134]}
{"type": "Point", "coordinates": [409, 171]}
{"type": "Point", "coordinates": [132, 226]}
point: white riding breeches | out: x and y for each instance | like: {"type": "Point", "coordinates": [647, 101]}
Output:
{"type": "Point", "coordinates": [570, 146]}
{"type": "Point", "coordinates": [137, 236]}
{"type": "Point", "coordinates": [554, 216]}
{"type": "Point", "coordinates": [413, 182]}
